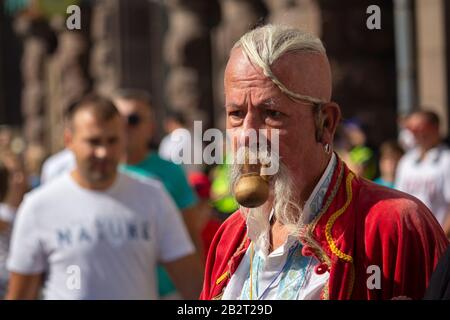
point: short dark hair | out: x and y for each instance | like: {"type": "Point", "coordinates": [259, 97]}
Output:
{"type": "Point", "coordinates": [177, 116]}
{"type": "Point", "coordinates": [430, 116]}
{"type": "Point", "coordinates": [103, 108]}
{"type": "Point", "coordinates": [4, 181]}
{"type": "Point", "coordinates": [391, 147]}
{"type": "Point", "coordinates": [134, 94]}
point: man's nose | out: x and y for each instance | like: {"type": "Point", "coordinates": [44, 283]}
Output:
{"type": "Point", "coordinates": [251, 125]}
{"type": "Point", "coordinates": [101, 152]}
{"type": "Point", "coordinates": [252, 120]}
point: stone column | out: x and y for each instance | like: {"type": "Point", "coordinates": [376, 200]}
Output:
{"type": "Point", "coordinates": [2, 39]}
{"type": "Point", "coordinates": [105, 53]}
{"type": "Point", "coordinates": [187, 52]}
{"type": "Point", "coordinates": [431, 58]}
{"type": "Point", "coordinates": [68, 78]}
{"type": "Point", "coordinates": [38, 41]}
{"type": "Point", "coordinates": [127, 37]}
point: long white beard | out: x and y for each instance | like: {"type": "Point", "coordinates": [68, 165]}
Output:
{"type": "Point", "coordinates": [287, 209]}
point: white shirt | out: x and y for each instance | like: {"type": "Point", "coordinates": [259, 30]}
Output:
{"type": "Point", "coordinates": [57, 164]}
{"type": "Point", "coordinates": [107, 242]}
{"type": "Point", "coordinates": [7, 214]}
{"type": "Point", "coordinates": [428, 180]}
{"type": "Point", "coordinates": [274, 262]}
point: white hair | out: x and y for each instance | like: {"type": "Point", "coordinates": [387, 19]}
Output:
{"type": "Point", "coordinates": [284, 204]}
{"type": "Point", "coordinates": [264, 45]}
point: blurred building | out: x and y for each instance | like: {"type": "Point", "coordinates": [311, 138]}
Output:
{"type": "Point", "coordinates": [177, 50]}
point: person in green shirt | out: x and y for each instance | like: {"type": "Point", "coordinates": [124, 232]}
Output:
{"type": "Point", "coordinates": [135, 107]}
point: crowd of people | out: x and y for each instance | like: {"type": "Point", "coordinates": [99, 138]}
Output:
{"type": "Point", "coordinates": [417, 162]}
{"type": "Point", "coordinates": [111, 217]}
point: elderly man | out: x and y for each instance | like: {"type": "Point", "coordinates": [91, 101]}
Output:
{"type": "Point", "coordinates": [323, 233]}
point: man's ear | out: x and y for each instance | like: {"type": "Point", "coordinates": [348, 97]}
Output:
{"type": "Point", "coordinates": [331, 114]}
{"type": "Point", "coordinates": [68, 137]}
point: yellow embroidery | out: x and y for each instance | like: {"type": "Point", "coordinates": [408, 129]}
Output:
{"type": "Point", "coordinates": [310, 238]}
{"type": "Point", "coordinates": [328, 227]}
{"type": "Point", "coordinates": [251, 270]}
{"type": "Point", "coordinates": [336, 215]}
{"type": "Point", "coordinates": [222, 277]}
{"type": "Point", "coordinates": [326, 294]}
{"type": "Point", "coordinates": [218, 297]}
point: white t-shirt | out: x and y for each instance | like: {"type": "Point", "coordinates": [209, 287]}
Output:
{"type": "Point", "coordinates": [428, 180]}
{"type": "Point", "coordinates": [7, 214]}
{"type": "Point", "coordinates": [58, 164]}
{"type": "Point", "coordinates": [107, 242]}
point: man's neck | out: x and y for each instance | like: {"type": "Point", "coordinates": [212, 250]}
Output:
{"type": "Point", "coordinates": [278, 236]}
{"type": "Point", "coordinates": [95, 186]}
{"type": "Point", "coordinates": [425, 148]}
{"type": "Point", "coordinates": [388, 178]}
{"type": "Point", "coordinates": [133, 158]}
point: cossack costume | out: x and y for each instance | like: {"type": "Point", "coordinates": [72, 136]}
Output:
{"type": "Point", "coordinates": [361, 227]}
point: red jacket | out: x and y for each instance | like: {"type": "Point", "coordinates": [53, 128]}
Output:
{"type": "Point", "coordinates": [361, 224]}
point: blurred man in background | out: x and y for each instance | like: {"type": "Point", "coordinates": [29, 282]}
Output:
{"type": "Point", "coordinates": [424, 171]}
{"type": "Point", "coordinates": [13, 185]}
{"type": "Point", "coordinates": [96, 233]}
{"type": "Point", "coordinates": [60, 162]}
{"type": "Point", "coordinates": [135, 107]}
{"type": "Point", "coordinates": [390, 154]}
{"type": "Point", "coordinates": [178, 138]}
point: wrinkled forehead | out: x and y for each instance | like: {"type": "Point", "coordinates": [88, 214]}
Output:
{"type": "Point", "coordinates": [305, 73]}
{"type": "Point", "coordinates": [240, 68]}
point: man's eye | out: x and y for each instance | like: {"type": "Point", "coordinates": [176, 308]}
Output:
{"type": "Point", "coordinates": [94, 142]}
{"type": "Point", "coordinates": [236, 113]}
{"type": "Point", "coordinates": [273, 113]}
{"type": "Point", "coordinates": [113, 140]}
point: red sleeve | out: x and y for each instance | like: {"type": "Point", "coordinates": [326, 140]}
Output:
{"type": "Point", "coordinates": [209, 268]}
{"type": "Point", "coordinates": [225, 243]}
{"type": "Point", "coordinates": [405, 241]}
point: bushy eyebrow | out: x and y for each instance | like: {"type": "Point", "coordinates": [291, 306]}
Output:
{"type": "Point", "coordinates": [265, 104]}
{"type": "Point", "coordinates": [232, 105]}
{"type": "Point", "coordinates": [268, 103]}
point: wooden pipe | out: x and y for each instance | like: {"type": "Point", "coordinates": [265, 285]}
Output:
{"type": "Point", "coordinates": [252, 189]}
